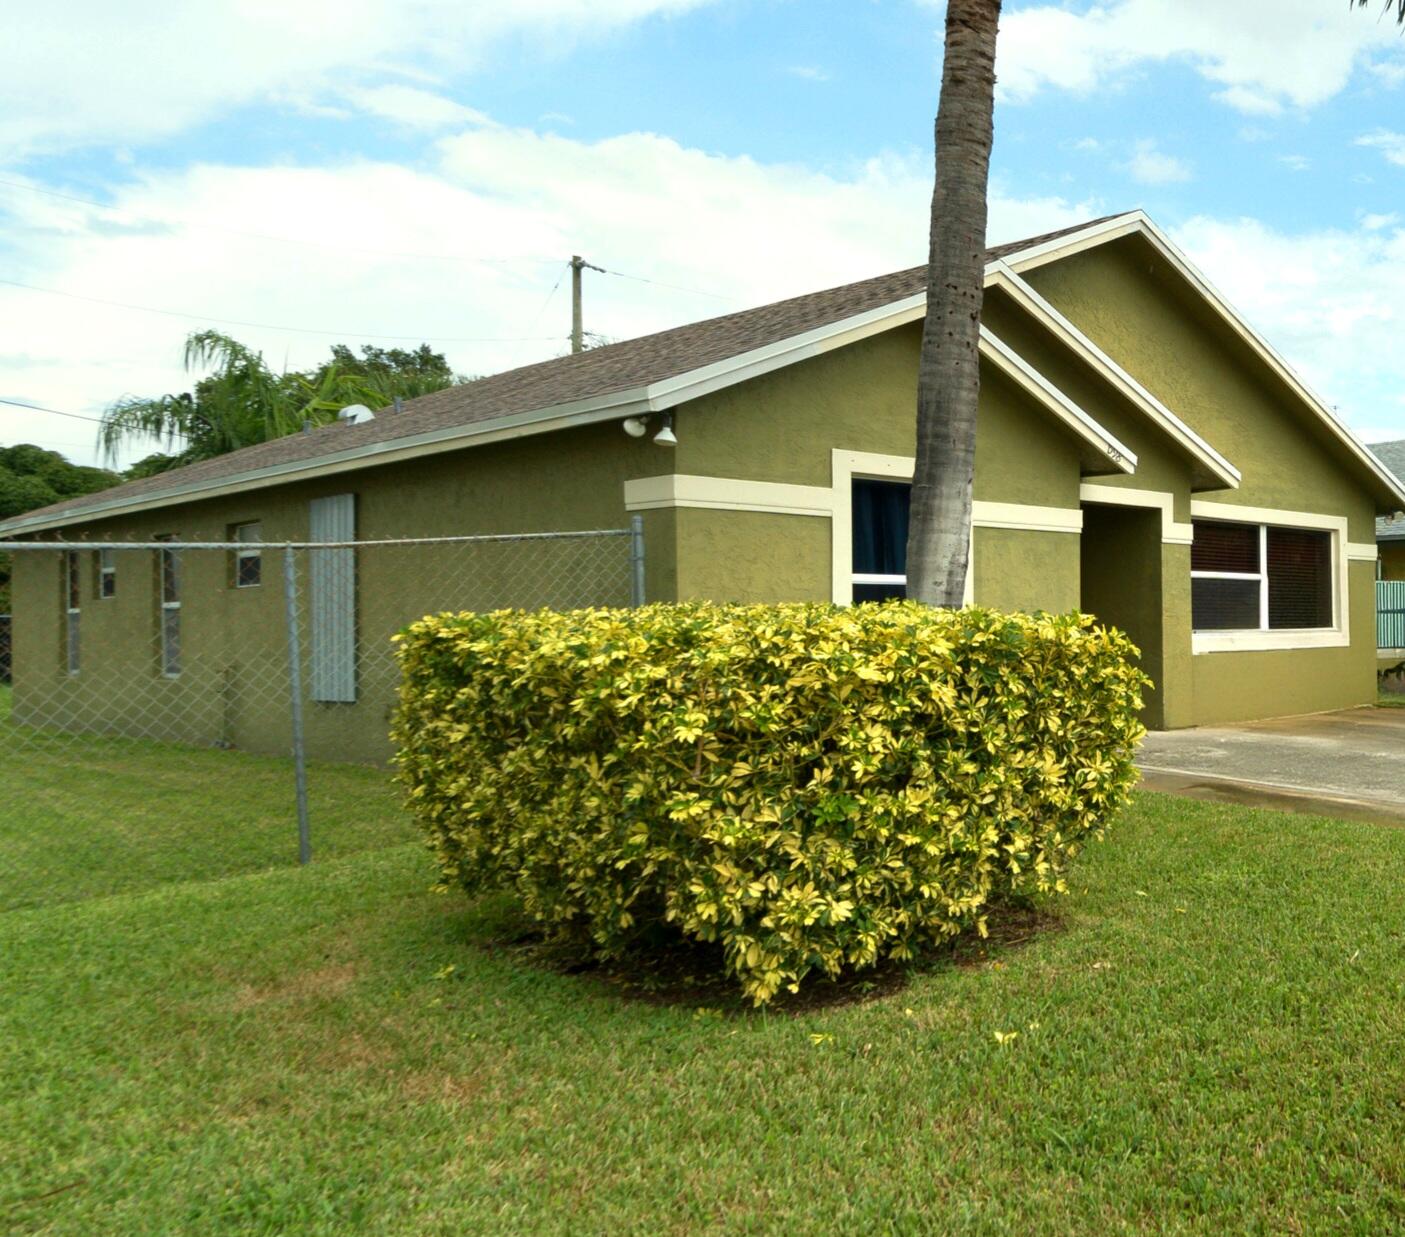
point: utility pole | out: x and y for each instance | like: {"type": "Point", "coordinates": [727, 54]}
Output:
{"type": "Point", "coordinates": [578, 264]}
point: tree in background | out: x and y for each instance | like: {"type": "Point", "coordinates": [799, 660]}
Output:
{"type": "Point", "coordinates": [32, 477]}
{"type": "Point", "coordinates": [395, 372]}
{"type": "Point", "coordinates": [241, 401]}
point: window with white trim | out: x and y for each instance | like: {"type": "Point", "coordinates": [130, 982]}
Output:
{"type": "Point", "coordinates": [879, 523]}
{"type": "Point", "coordinates": [169, 617]}
{"type": "Point", "coordinates": [73, 600]}
{"type": "Point", "coordinates": [106, 564]}
{"type": "Point", "coordinates": [1260, 577]}
{"type": "Point", "coordinates": [247, 567]}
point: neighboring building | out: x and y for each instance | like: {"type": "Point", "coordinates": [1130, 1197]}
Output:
{"type": "Point", "coordinates": [1390, 530]}
{"type": "Point", "coordinates": [1141, 453]}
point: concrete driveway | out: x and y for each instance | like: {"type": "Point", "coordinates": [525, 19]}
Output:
{"type": "Point", "coordinates": [1349, 764]}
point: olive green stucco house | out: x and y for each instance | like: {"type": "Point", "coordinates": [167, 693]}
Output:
{"type": "Point", "coordinates": [1141, 454]}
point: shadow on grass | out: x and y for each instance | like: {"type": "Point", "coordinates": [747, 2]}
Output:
{"type": "Point", "coordinates": [673, 971]}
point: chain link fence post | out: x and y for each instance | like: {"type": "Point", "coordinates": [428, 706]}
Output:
{"type": "Point", "coordinates": [636, 559]}
{"type": "Point", "coordinates": [290, 601]}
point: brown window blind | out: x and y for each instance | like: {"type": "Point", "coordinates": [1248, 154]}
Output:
{"type": "Point", "coordinates": [1299, 578]}
{"type": "Point", "coordinates": [1225, 547]}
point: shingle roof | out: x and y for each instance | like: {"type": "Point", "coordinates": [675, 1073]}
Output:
{"type": "Point", "coordinates": [1392, 455]}
{"type": "Point", "coordinates": [619, 367]}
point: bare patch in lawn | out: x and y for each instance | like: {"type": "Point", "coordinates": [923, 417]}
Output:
{"type": "Point", "coordinates": [313, 985]}
{"type": "Point", "coordinates": [432, 1086]}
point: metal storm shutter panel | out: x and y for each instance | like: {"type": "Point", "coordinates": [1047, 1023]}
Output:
{"type": "Point", "coordinates": [333, 610]}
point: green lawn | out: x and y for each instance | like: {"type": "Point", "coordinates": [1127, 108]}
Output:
{"type": "Point", "coordinates": [81, 817]}
{"type": "Point", "coordinates": [1208, 1041]}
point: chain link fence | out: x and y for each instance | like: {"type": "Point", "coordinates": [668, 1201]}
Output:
{"type": "Point", "coordinates": [280, 650]}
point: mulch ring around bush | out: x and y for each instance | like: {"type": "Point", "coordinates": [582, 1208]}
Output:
{"type": "Point", "coordinates": [690, 974]}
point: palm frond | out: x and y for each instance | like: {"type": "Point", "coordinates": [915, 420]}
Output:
{"type": "Point", "coordinates": [1397, 5]}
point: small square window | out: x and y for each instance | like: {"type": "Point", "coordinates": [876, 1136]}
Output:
{"type": "Point", "coordinates": [107, 574]}
{"type": "Point", "coordinates": [248, 563]}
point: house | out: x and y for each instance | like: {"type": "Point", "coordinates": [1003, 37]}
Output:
{"type": "Point", "coordinates": [1390, 530]}
{"type": "Point", "coordinates": [1142, 453]}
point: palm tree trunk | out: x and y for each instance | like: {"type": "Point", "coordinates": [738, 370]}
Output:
{"type": "Point", "coordinates": [948, 373]}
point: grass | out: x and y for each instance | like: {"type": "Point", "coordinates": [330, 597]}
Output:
{"type": "Point", "coordinates": [1207, 1042]}
{"type": "Point", "coordinates": [87, 817]}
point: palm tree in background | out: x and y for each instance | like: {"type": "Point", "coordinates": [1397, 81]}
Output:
{"type": "Point", "coordinates": [948, 373]}
{"type": "Point", "coordinates": [241, 401]}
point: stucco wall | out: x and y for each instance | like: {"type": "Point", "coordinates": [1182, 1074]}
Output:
{"type": "Point", "coordinates": [1021, 569]}
{"type": "Point", "coordinates": [1136, 309]}
{"type": "Point", "coordinates": [232, 684]}
{"type": "Point", "coordinates": [863, 397]}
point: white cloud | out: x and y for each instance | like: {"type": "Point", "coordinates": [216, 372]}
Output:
{"type": "Point", "coordinates": [1150, 166]}
{"type": "Point", "coordinates": [1389, 143]}
{"type": "Point", "coordinates": [91, 71]}
{"type": "Point", "coordinates": [413, 107]}
{"type": "Point", "coordinates": [1295, 163]}
{"type": "Point", "coordinates": [1330, 300]}
{"type": "Point", "coordinates": [809, 72]}
{"type": "Point", "coordinates": [1375, 222]}
{"type": "Point", "coordinates": [745, 231]}
{"type": "Point", "coordinates": [1298, 53]}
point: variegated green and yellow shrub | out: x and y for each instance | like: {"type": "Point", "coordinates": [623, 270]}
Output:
{"type": "Point", "coordinates": [817, 788]}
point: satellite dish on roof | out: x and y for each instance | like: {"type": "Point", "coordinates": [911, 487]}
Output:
{"type": "Point", "coordinates": [354, 414]}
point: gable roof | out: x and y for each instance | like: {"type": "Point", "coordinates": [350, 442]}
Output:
{"type": "Point", "coordinates": [1390, 490]}
{"type": "Point", "coordinates": [1392, 455]}
{"type": "Point", "coordinates": [603, 383]}
{"type": "Point", "coordinates": [660, 371]}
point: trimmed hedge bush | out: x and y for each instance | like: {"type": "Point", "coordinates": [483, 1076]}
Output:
{"type": "Point", "coordinates": [815, 787]}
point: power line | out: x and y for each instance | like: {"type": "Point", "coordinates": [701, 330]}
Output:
{"type": "Point", "coordinates": [660, 284]}
{"type": "Point", "coordinates": [77, 416]}
{"type": "Point", "coordinates": [265, 236]}
{"type": "Point", "coordinates": [269, 326]}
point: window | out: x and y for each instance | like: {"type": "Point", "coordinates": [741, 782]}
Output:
{"type": "Point", "coordinates": [880, 539]}
{"type": "Point", "coordinates": [73, 596]}
{"type": "Point", "coordinates": [106, 563]}
{"type": "Point", "coordinates": [169, 583]}
{"type": "Point", "coordinates": [248, 564]}
{"type": "Point", "coordinates": [1260, 577]}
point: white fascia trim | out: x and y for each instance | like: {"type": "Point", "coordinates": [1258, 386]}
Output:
{"type": "Point", "coordinates": [1143, 400]}
{"type": "Point", "coordinates": [782, 498]}
{"type": "Point", "coordinates": [500, 429]}
{"type": "Point", "coordinates": [1138, 221]}
{"type": "Point", "coordinates": [1237, 513]}
{"type": "Point", "coordinates": [1075, 242]}
{"type": "Point", "coordinates": [1027, 518]}
{"type": "Point", "coordinates": [1030, 380]}
{"type": "Point", "coordinates": [1336, 636]}
{"type": "Point", "coordinates": [669, 392]}
{"type": "Point", "coordinates": [1172, 533]}
{"type": "Point", "coordinates": [726, 494]}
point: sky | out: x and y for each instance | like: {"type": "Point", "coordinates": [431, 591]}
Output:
{"type": "Point", "coordinates": [299, 173]}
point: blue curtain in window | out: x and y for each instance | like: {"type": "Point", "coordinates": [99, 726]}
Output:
{"type": "Point", "coordinates": [880, 527]}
